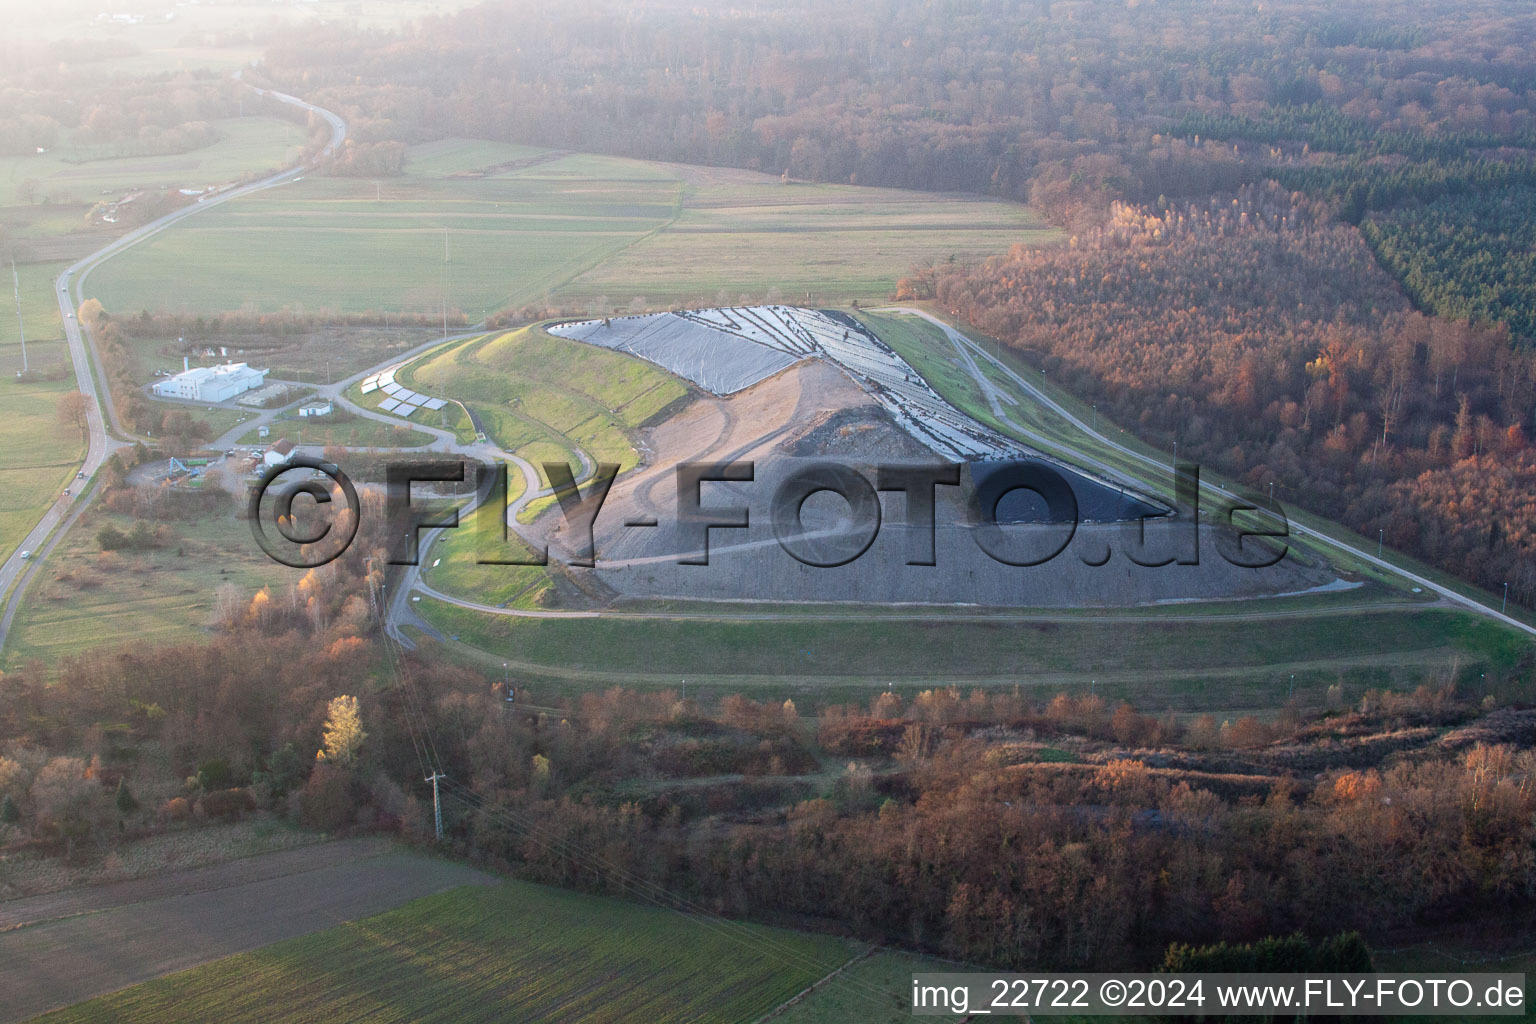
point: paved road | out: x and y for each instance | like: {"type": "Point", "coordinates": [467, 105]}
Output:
{"type": "Point", "coordinates": [99, 443]}
{"type": "Point", "coordinates": [969, 350]}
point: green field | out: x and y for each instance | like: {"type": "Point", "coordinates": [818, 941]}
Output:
{"type": "Point", "coordinates": [39, 314]}
{"type": "Point", "coordinates": [517, 952]}
{"type": "Point", "coordinates": [1219, 663]}
{"type": "Point", "coordinates": [538, 395]}
{"type": "Point", "coordinates": [38, 454]}
{"type": "Point", "coordinates": [68, 177]}
{"type": "Point", "coordinates": [478, 226]}
{"type": "Point", "coordinates": [85, 596]}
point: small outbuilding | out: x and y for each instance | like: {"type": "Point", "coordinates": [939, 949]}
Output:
{"type": "Point", "coordinates": [278, 454]}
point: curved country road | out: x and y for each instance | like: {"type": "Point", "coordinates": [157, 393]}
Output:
{"type": "Point", "coordinates": [16, 573]}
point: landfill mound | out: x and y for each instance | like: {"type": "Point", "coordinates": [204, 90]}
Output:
{"type": "Point", "coordinates": [729, 349]}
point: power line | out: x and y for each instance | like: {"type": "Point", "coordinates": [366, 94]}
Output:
{"type": "Point", "coordinates": [646, 890]}
{"type": "Point", "coordinates": [21, 327]}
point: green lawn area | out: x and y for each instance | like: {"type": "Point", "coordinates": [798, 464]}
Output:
{"type": "Point", "coordinates": [539, 396]}
{"type": "Point", "coordinates": [218, 418]}
{"type": "Point", "coordinates": [481, 226]}
{"type": "Point", "coordinates": [358, 432]}
{"type": "Point", "coordinates": [1217, 663]}
{"type": "Point", "coordinates": [517, 952]}
{"type": "Point", "coordinates": [84, 596]}
{"type": "Point", "coordinates": [67, 175]}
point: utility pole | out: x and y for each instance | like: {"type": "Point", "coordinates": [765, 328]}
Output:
{"type": "Point", "coordinates": [437, 807]}
{"type": "Point", "coordinates": [1380, 536]}
{"type": "Point", "coordinates": [20, 327]}
{"type": "Point", "coordinates": [1505, 606]}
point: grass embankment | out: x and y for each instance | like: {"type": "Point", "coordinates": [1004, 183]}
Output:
{"type": "Point", "coordinates": [540, 396]}
{"type": "Point", "coordinates": [453, 565]}
{"type": "Point", "coordinates": [1187, 664]}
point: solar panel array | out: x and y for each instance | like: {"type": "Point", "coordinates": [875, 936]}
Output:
{"type": "Point", "coordinates": [402, 401]}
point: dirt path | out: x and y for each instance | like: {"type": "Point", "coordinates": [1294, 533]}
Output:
{"type": "Point", "coordinates": [65, 947]}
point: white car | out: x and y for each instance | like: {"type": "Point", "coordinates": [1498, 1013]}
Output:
{"type": "Point", "coordinates": [26, 555]}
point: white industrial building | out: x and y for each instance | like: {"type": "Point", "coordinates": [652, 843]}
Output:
{"type": "Point", "coordinates": [211, 383]}
{"type": "Point", "coordinates": [323, 407]}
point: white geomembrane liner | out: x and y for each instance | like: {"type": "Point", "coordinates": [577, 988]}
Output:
{"type": "Point", "coordinates": [725, 350]}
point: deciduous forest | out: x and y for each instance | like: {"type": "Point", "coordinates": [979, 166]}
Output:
{"type": "Point", "coordinates": [1260, 334]}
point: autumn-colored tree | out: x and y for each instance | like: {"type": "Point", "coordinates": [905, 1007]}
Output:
{"type": "Point", "coordinates": [344, 734]}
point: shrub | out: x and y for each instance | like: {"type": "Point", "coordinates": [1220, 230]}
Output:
{"type": "Point", "coordinates": [326, 802]}
{"type": "Point", "coordinates": [174, 809]}
{"type": "Point", "coordinates": [228, 803]}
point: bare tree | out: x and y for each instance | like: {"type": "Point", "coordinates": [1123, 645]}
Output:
{"type": "Point", "coordinates": [74, 408]}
